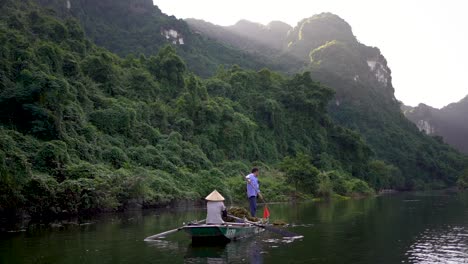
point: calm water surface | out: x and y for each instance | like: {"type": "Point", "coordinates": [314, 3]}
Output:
{"type": "Point", "coordinates": [401, 228]}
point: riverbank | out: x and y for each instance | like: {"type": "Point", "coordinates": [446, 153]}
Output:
{"type": "Point", "coordinates": [23, 221]}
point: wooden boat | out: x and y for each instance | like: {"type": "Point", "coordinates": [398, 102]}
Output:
{"type": "Point", "coordinates": [220, 233]}
{"type": "Point", "coordinates": [224, 233]}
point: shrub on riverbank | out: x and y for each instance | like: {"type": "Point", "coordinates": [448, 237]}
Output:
{"type": "Point", "coordinates": [307, 178]}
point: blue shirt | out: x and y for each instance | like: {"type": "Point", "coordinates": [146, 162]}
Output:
{"type": "Point", "coordinates": [252, 187]}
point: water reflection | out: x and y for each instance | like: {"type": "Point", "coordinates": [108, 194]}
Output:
{"type": "Point", "coordinates": [247, 250]}
{"type": "Point", "coordinates": [448, 245]}
{"type": "Point", "coordinates": [406, 227]}
{"type": "Point", "coordinates": [163, 244]}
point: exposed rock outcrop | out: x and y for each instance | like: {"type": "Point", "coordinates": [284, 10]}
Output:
{"type": "Point", "coordinates": [450, 122]}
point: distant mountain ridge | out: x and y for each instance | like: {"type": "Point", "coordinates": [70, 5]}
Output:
{"type": "Point", "coordinates": [311, 45]}
{"type": "Point", "coordinates": [449, 122]}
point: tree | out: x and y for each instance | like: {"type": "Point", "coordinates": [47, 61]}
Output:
{"type": "Point", "coordinates": [168, 68]}
{"type": "Point", "coordinates": [300, 172]}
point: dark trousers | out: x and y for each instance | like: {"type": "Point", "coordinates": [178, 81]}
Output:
{"type": "Point", "coordinates": [253, 205]}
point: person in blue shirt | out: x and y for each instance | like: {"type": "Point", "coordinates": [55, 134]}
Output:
{"type": "Point", "coordinates": [253, 190]}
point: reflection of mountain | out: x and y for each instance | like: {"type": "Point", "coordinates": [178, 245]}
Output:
{"type": "Point", "coordinates": [235, 252]}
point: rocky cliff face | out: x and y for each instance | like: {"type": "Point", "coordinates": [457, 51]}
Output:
{"type": "Point", "coordinates": [316, 31]}
{"type": "Point", "coordinates": [422, 116]}
{"type": "Point", "coordinates": [450, 122]}
{"type": "Point", "coordinates": [327, 44]}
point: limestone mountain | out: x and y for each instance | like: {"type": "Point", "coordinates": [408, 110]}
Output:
{"type": "Point", "coordinates": [450, 122]}
{"type": "Point", "coordinates": [139, 27]}
{"type": "Point", "coordinates": [325, 45]}
{"type": "Point", "coordinates": [328, 44]}
{"type": "Point", "coordinates": [323, 42]}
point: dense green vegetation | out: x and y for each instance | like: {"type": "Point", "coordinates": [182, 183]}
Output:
{"type": "Point", "coordinates": [137, 26]}
{"type": "Point", "coordinates": [83, 130]}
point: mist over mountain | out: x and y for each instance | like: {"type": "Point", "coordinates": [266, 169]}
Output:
{"type": "Point", "coordinates": [449, 122]}
{"type": "Point", "coordinates": [272, 35]}
{"type": "Point", "coordinates": [255, 39]}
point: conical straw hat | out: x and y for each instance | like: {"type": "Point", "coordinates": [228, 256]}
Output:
{"type": "Point", "coordinates": [214, 196]}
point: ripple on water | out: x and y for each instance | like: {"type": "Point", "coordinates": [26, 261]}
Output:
{"type": "Point", "coordinates": [449, 245]}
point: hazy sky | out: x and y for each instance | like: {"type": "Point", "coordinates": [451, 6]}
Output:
{"type": "Point", "coordinates": [424, 41]}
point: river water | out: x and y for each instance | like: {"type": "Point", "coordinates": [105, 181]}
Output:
{"type": "Point", "coordinates": [399, 228]}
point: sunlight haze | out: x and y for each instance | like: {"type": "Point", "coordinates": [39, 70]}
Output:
{"type": "Point", "coordinates": [424, 42]}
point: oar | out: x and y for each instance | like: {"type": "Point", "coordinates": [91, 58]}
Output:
{"type": "Point", "coordinates": [281, 232]}
{"type": "Point", "coordinates": [163, 234]}
{"type": "Point", "coordinates": [166, 233]}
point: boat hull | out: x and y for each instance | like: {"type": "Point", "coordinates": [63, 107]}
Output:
{"type": "Point", "coordinates": [221, 233]}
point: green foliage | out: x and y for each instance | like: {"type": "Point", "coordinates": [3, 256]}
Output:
{"type": "Point", "coordinates": [384, 176]}
{"type": "Point", "coordinates": [273, 186]}
{"type": "Point", "coordinates": [99, 67]}
{"type": "Point", "coordinates": [83, 130]}
{"type": "Point", "coordinates": [114, 120]}
{"type": "Point", "coordinates": [305, 176]}
{"type": "Point", "coordinates": [462, 181]}
{"type": "Point", "coordinates": [115, 156]}
{"type": "Point", "coordinates": [124, 30]}
{"type": "Point", "coordinates": [52, 158]}
{"type": "Point", "coordinates": [359, 187]}
{"type": "Point", "coordinates": [168, 68]}
{"type": "Point", "coordinates": [300, 171]}
{"type": "Point", "coordinates": [325, 185]}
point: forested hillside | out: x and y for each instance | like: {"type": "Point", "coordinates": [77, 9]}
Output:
{"type": "Point", "coordinates": [137, 26]}
{"type": "Point", "coordinates": [83, 130]}
{"type": "Point", "coordinates": [450, 122]}
{"type": "Point", "coordinates": [364, 95]}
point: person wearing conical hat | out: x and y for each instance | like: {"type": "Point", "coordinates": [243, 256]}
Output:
{"type": "Point", "coordinates": [214, 208]}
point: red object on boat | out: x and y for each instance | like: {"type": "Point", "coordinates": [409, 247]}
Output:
{"type": "Point", "coordinates": [266, 213]}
